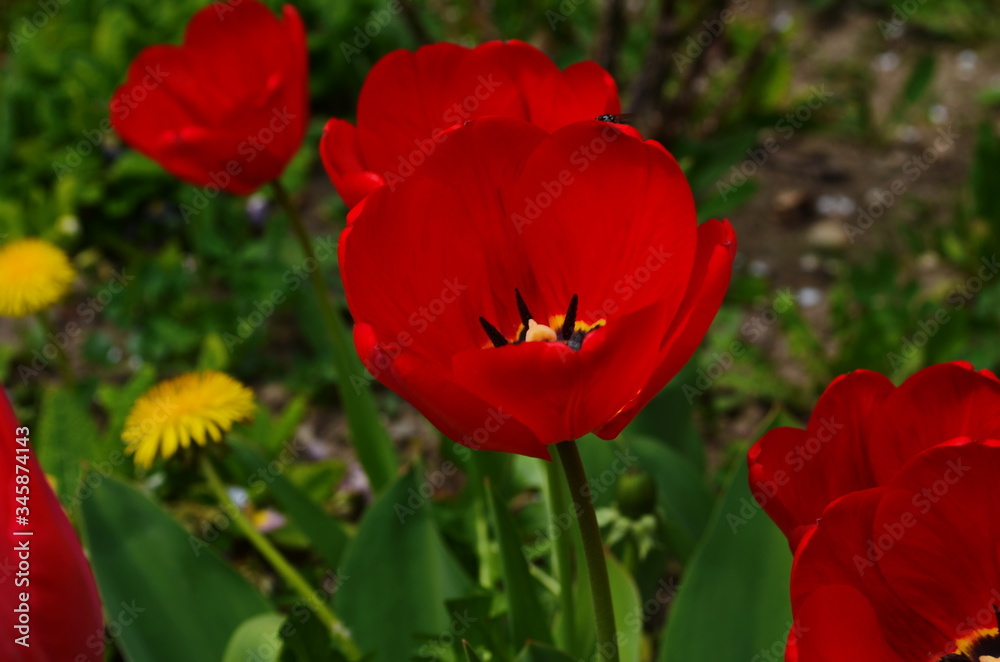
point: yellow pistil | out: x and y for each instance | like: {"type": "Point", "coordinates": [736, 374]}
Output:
{"type": "Point", "coordinates": [539, 332]}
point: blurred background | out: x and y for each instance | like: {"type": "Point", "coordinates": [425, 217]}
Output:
{"type": "Point", "coordinates": [853, 144]}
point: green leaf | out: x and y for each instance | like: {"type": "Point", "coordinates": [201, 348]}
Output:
{"type": "Point", "coordinates": [326, 533]}
{"type": "Point", "coordinates": [737, 576]}
{"type": "Point", "coordinates": [66, 437]}
{"type": "Point", "coordinates": [188, 601]}
{"type": "Point", "coordinates": [398, 575]}
{"type": "Point", "coordinates": [307, 640]}
{"type": "Point", "coordinates": [118, 401]}
{"type": "Point", "coordinates": [470, 655]}
{"type": "Point", "coordinates": [626, 599]}
{"type": "Point", "coordinates": [540, 653]}
{"type": "Point", "coordinates": [916, 85]}
{"type": "Point", "coordinates": [256, 639]}
{"type": "Point", "coordinates": [681, 493]}
{"type": "Point", "coordinates": [628, 611]}
{"type": "Point", "coordinates": [528, 620]}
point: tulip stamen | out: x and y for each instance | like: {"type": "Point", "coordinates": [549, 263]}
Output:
{"type": "Point", "coordinates": [496, 337]}
{"type": "Point", "coordinates": [981, 646]}
{"type": "Point", "coordinates": [565, 329]}
{"type": "Point", "coordinates": [522, 309]}
{"type": "Point", "coordinates": [569, 324]}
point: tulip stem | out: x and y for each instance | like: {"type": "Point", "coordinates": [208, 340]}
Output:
{"type": "Point", "coordinates": [562, 566]}
{"type": "Point", "coordinates": [280, 564]}
{"type": "Point", "coordinates": [593, 548]}
{"type": "Point", "coordinates": [371, 441]}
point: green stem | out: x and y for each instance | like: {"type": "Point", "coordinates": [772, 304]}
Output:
{"type": "Point", "coordinates": [371, 441]}
{"type": "Point", "coordinates": [593, 547]}
{"type": "Point", "coordinates": [562, 563]}
{"type": "Point", "coordinates": [279, 562]}
{"type": "Point", "coordinates": [62, 360]}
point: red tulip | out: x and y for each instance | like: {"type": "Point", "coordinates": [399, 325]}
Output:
{"type": "Point", "coordinates": [527, 288]}
{"type": "Point", "coordinates": [908, 571]}
{"type": "Point", "coordinates": [410, 100]}
{"type": "Point", "coordinates": [888, 502]}
{"type": "Point", "coordinates": [228, 108]}
{"type": "Point", "coordinates": [861, 432]}
{"type": "Point", "coordinates": [48, 599]}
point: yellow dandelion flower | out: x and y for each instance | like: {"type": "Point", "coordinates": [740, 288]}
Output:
{"type": "Point", "coordinates": [195, 406]}
{"type": "Point", "coordinates": [34, 274]}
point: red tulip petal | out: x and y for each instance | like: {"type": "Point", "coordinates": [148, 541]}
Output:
{"type": "Point", "coordinates": [800, 472]}
{"type": "Point", "coordinates": [840, 561]}
{"type": "Point", "coordinates": [413, 268]}
{"type": "Point", "coordinates": [838, 623]}
{"type": "Point", "coordinates": [943, 561]}
{"type": "Point", "coordinates": [340, 148]}
{"type": "Point", "coordinates": [560, 393]}
{"type": "Point", "coordinates": [583, 91]}
{"type": "Point", "coordinates": [65, 617]}
{"type": "Point", "coordinates": [449, 209]}
{"type": "Point", "coordinates": [606, 217]}
{"type": "Point", "coordinates": [709, 282]}
{"type": "Point", "coordinates": [404, 101]}
{"type": "Point", "coordinates": [934, 405]}
{"type": "Point", "coordinates": [461, 416]}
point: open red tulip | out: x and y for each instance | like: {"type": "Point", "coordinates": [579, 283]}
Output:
{"type": "Point", "coordinates": [906, 572]}
{"type": "Point", "coordinates": [228, 108]}
{"type": "Point", "coordinates": [861, 432]}
{"type": "Point", "coordinates": [410, 100]}
{"type": "Point", "coordinates": [48, 598]}
{"type": "Point", "coordinates": [888, 502]}
{"type": "Point", "coordinates": [526, 287]}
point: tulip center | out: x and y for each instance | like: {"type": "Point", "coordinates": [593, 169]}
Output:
{"type": "Point", "coordinates": [981, 646]}
{"type": "Point", "coordinates": [564, 329]}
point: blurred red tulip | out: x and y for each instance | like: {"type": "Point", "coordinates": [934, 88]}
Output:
{"type": "Point", "coordinates": [229, 107]}
{"type": "Point", "coordinates": [48, 598]}
{"type": "Point", "coordinates": [410, 100]}
{"type": "Point", "coordinates": [527, 288]}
